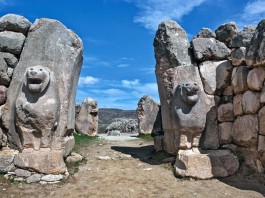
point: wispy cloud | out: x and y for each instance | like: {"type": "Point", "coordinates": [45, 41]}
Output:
{"type": "Point", "coordinates": [152, 12]}
{"type": "Point", "coordinates": [88, 80]}
{"type": "Point", "coordinates": [254, 12]}
{"type": "Point", "coordinates": [123, 94]}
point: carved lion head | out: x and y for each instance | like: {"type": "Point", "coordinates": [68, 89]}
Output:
{"type": "Point", "coordinates": [190, 92]}
{"type": "Point", "coordinates": [37, 78]}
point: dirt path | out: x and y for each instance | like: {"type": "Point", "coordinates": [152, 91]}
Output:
{"type": "Point", "coordinates": [131, 169]}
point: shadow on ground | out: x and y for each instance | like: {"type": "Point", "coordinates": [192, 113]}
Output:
{"type": "Point", "coordinates": [146, 154]}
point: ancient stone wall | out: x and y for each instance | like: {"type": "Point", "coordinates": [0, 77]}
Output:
{"type": "Point", "coordinates": [228, 67]}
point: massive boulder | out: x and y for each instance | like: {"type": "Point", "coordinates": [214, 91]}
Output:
{"type": "Point", "coordinates": [11, 42]}
{"type": "Point", "coordinates": [40, 109]}
{"type": "Point", "coordinates": [243, 37]}
{"type": "Point", "coordinates": [226, 32]}
{"type": "Point", "coordinates": [87, 119]}
{"type": "Point", "coordinates": [149, 116]}
{"type": "Point", "coordinates": [255, 52]}
{"type": "Point", "coordinates": [14, 23]}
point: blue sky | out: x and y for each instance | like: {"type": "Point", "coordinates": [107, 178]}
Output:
{"type": "Point", "coordinates": [118, 37]}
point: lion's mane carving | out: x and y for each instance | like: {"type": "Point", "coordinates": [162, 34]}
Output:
{"type": "Point", "coordinates": [37, 108]}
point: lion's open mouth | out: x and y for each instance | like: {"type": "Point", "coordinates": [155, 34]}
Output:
{"type": "Point", "coordinates": [34, 81]}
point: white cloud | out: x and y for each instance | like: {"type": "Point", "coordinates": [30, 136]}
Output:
{"type": "Point", "coordinates": [152, 12]}
{"type": "Point", "coordinates": [128, 83]}
{"type": "Point", "coordinates": [254, 11]}
{"type": "Point", "coordinates": [123, 65]}
{"type": "Point", "coordinates": [88, 80]}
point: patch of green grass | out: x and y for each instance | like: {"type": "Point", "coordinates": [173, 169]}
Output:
{"type": "Point", "coordinates": [146, 137]}
{"type": "Point", "coordinates": [81, 139]}
{"type": "Point", "coordinates": [73, 167]}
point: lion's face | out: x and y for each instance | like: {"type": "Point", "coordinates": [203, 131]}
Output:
{"type": "Point", "coordinates": [190, 92]}
{"type": "Point", "coordinates": [38, 78]}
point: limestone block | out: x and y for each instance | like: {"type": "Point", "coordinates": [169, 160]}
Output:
{"type": "Point", "coordinates": [228, 91]}
{"type": "Point", "coordinates": [206, 164]}
{"type": "Point", "coordinates": [239, 79]}
{"type": "Point", "coordinates": [15, 23]}
{"type": "Point", "coordinates": [243, 37]}
{"type": "Point", "coordinates": [251, 102]}
{"type": "Point", "coordinates": [11, 42]}
{"type": "Point", "coordinates": [6, 159]}
{"type": "Point", "coordinates": [22, 173]}
{"type": "Point", "coordinates": [261, 149]}
{"type": "Point", "coordinates": [262, 121]}
{"type": "Point", "coordinates": [255, 52]}
{"type": "Point", "coordinates": [68, 145]}
{"type": "Point", "coordinates": [256, 78]}
{"type": "Point", "coordinates": [33, 178]}
{"type": "Point", "coordinates": [237, 105]}
{"type": "Point", "coordinates": [238, 56]}
{"type": "Point", "coordinates": [10, 59]}
{"type": "Point", "coordinates": [245, 131]}
{"type": "Point", "coordinates": [209, 49]}
{"type": "Point", "coordinates": [3, 90]}
{"type": "Point", "coordinates": [87, 119]}
{"type": "Point", "coordinates": [226, 32]}
{"type": "Point", "coordinates": [149, 116]}
{"type": "Point", "coordinates": [216, 75]}
{"type": "Point", "coordinates": [45, 160]}
{"type": "Point", "coordinates": [225, 131]}
{"type": "Point", "coordinates": [225, 113]}
{"type": "Point", "coordinates": [205, 33]}
{"type": "Point", "coordinates": [262, 95]}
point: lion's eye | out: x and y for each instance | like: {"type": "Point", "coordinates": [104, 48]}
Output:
{"type": "Point", "coordinates": [187, 84]}
{"type": "Point", "coordinates": [40, 69]}
{"type": "Point", "coordinates": [31, 68]}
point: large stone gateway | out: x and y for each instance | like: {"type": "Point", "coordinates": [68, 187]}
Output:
{"type": "Point", "coordinates": [189, 101]}
{"type": "Point", "coordinates": [39, 114]}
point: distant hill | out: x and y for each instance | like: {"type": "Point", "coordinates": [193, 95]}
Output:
{"type": "Point", "coordinates": [106, 116]}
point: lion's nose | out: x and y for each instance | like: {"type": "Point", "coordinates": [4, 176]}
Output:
{"type": "Point", "coordinates": [33, 73]}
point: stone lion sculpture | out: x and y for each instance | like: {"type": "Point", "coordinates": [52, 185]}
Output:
{"type": "Point", "coordinates": [187, 107]}
{"type": "Point", "coordinates": [37, 108]}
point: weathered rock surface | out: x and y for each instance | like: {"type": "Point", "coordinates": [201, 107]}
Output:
{"type": "Point", "coordinates": [74, 157]}
{"type": "Point", "coordinates": [22, 173]}
{"type": "Point", "coordinates": [251, 102]}
{"type": "Point", "coordinates": [87, 119]}
{"type": "Point", "coordinates": [10, 59]}
{"type": "Point", "coordinates": [149, 116]}
{"type": "Point", "coordinates": [237, 105]}
{"type": "Point", "coordinates": [68, 145]}
{"type": "Point", "coordinates": [51, 178]}
{"type": "Point", "coordinates": [242, 38]}
{"type": "Point", "coordinates": [225, 33]}
{"type": "Point", "coordinates": [33, 178]}
{"type": "Point", "coordinates": [256, 78]}
{"type": "Point", "coordinates": [15, 23]}
{"type": "Point", "coordinates": [245, 131]}
{"type": "Point", "coordinates": [6, 159]}
{"type": "Point", "coordinates": [262, 95]}
{"type": "Point", "coordinates": [205, 33]}
{"type": "Point", "coordinates": [55, 51]}
{"type": "Point", "coordinates": [3, 90]}
{"type": "Point", "coordinates": [4, 78]}
{"type": "Point", "coordinates": [238, 56]}
{"type": "Point", "coordinates": [171, 50]}
{"type": "Point", "coordinates": [11, 42]}
{"type": "Point", "coordinates": [261, 149]}
{"type": "Point", "coordinates": [255, 52]}
{"type": "Point", "coordinates": [206, 164]}
{"type": "Point", "coordinates": [239, 79]}
{"type": "Point", "coordinates": [262, 121]}
{"type": "Point", "coordinates": [225, 113]}
{"type": "Point", "coordinates": [45, 160]}
{"type": "Point", "coordinates": [209, 49]}
{"type": "Point", "coordinates": [216, 76]}
{"type": "Point", "coordinates": [225, 131]}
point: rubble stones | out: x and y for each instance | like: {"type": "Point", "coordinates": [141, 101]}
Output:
{"type": "Point", "coordinates": [238, 56]}
{"type": "Point", "coordinates": [87, 119]}
{"type": "Point", "coordinates": [51, 178]}
{"type": "Point", "coordinates": [123, 125]}
{"type": "Point", "coordinates": [256, 78]}
{"type": "Point", "coordinates": [149, 116]}
{"type": "Point", "coordinates": [245, 131]}
{"type": "Point", "coordinates": [225, 33]}
{"type": "Point", "coordinates": [242, 38]}
{"type": "Point", "coordinates": [216, 75]}
{"type": "Point", "coordinates": [22, 173]}
{"type": "Point", "coordinates": [255, 52]}
{"type": "Point", "coordinates": [209, 49]}
{"type": "Point", "coordinates": [225, 113]}
{"type": "Point", "coordinates": [6, 159]}
{"type": "Point", "coordinates": [205, 33]}
{"type": "Point", "coordinates": [11, 42]}
{"type": "Point", "coordinates": [15, 23]}
{"type": "Point", "coordinates": [251, 102]}
{"type": "Point", "coordinates": [239, 79]}
{"type": "Point", "coordinates": [34, 178]}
